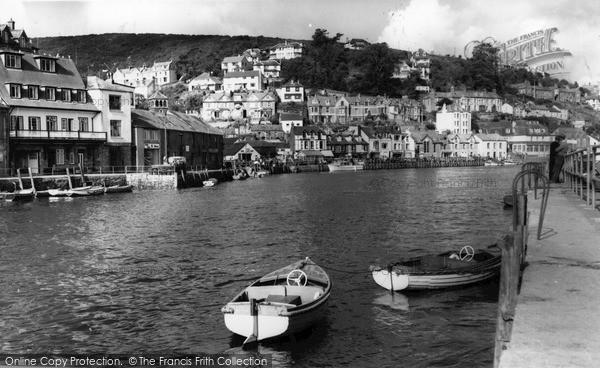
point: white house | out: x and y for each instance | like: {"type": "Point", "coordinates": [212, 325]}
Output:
{"type": "Point", "coordinates": [163, 72]}
{"type": "Point", "coordinates": [463, 145]}
{"type": "Point", "coordinates": [269, 68]}
{"type": "Point", "coordinates": [286, 50]}
{"type": "Point", "coordinates": [205, 82]}
{"type": "Point", "coordinates": [236, 64]}
{"type": "Point", "coordinates": [243, 80]}
{"type": "Point", "coordinates": [491, 146]}
{"type": "Point", "coordinates": [507, 108]}
{"type": "Point", "coordinates": [292, 91]}
{"type": "Point", "coordinates": [288, 121]}
{"type": "Point", "coordinates": [457, 122]}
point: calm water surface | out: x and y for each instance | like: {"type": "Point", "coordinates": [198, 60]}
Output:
{"type": "Point", "coordinates": [148, 272]}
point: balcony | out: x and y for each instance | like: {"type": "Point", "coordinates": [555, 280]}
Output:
{"type": "Point", "coordinates": [58, 135]}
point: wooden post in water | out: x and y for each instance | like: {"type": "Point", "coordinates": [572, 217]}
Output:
{"type": "Point", "coordinates": [69, 179]}
{"type": "Point", "coordinates": [20, 180]}
{"type": "Point", "coordinates": [507, 298]}
{"type": "Point", "coordinates": [82, 177]}
{"type": "Point", "coordinates": [31, 178]}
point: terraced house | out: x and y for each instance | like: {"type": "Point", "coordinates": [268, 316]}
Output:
{"type": "Point", "coordinates": [253, 106]}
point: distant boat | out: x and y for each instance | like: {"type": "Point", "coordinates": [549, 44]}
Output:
{"type": "Point", "coordinates": [86, 191]}
{"type": "Point", "coordinates": [118, 189]}
{"type": "Point", "coordinates": [344, 166]}
{"type": "Point", "coordinates": [24, 194]}
{"type": "Point", "coordinates": [283, 302]}
{"type": "Point", "coordinates": [209, 182]}
{"type": "Point", "coordinates": [491, 163]}
{"type": "Point", "coordinates": [509, 162]}
{"type": "Point", "coordinates": [440, 271]}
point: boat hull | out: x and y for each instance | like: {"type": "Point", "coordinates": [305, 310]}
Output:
{"type": "Point", "coordinates": [398, 282]}
{"type": "Point", "coordinates": [439, 272]}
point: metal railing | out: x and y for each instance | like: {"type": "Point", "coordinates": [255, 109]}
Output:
{"type": "Point", "coordinates": [581, 173]}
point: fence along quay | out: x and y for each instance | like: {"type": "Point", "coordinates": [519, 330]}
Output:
{"type": "Point", "coordinates": [547, 312]}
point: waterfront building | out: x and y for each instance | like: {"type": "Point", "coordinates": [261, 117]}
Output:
{"type": "Point", "coordinates": [304, 138]}
{"type": "Point", "coordinates": [348, 145]}
{"type": "Point", "coordinates": [453, 120]}
{"type": "Point", "coordinates": [285, 50]}
{"type": "Point", "coordinates": [463, 145]}
{"type": "Point", "coordinates": [243, 81]}
{"type": "Point", "coordinates": [53, 123]}
{"type": "Point", "coordinates": [161, 134]}
{"type": "Point", "coordinates": [289, 120]}
{"type": "Point", "coordinates": [491, 146]}
{"type": "Point", "coordinates": [162, 73]}
{"type": "Point", "coordinates": [4, 153]}
{"type": "Point", "coordinates": [429, 144]}
{"type": "Point", "coordinates": [205, 82]}
{"type": "Point", "coordinates": [292, 91]}
{"type": "Point", "coordinates": [524, 138]}
{"type": "Point", "coordinates": [115, 103]}
{"type": "Point", "coordinates": [241, 151]}
{"type": "Point", "coordinates": [480, 101]}
{"type": "Point", "coordinates": [239, 63]}
{"type": "Point", "coordinates": [388, 141]}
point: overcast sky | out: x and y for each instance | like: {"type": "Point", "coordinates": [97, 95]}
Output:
{"type": "Point", "coordinates": [442, 26]}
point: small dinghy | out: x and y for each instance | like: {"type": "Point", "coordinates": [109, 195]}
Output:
{"type": "Point", "coordinates": [444, 270]}
{"type": "Point", "coordinates": [283, 302]}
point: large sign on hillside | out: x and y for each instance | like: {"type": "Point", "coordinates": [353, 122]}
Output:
{"type": "Point", "coordinates": [535, 50]}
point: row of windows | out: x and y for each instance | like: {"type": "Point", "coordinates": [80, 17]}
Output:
{"type": "Point", "coordinates": [312, 145]}
{"type": "Point", "coordinates": [52, 123]}
{"type": "Point", "coordinates": [48, 93]}
{"type": "Point", "coordinates": [64, 124]}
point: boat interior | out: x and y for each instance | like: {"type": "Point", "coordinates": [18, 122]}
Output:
{"type": "Point", "coordinates": [290, 296]}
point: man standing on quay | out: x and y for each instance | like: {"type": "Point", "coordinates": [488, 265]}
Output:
{"type": "Point", "coordinates": [560, 151]}
{"type": "Point", "coordinates": [553, 146]}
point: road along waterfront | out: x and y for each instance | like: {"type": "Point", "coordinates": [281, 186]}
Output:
{"type": "Point", "coordinates": [148, 272]}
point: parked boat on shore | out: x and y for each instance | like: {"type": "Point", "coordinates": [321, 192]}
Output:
{"type": "Point", "coordinates": [448, 269]}
{"type": "Point", "coordinates": [210, 182]}
{"type": "Point", "coordinates": [283, 302]}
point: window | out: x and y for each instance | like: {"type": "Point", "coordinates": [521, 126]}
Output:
{"type": "Point", "coordinates": [115, 128]}
{"type": "Point", "coordinates": [52, 122]}
{"type": "Point", "coordinates": [66, 124]}
{"type": "Point", "coordinates": [33, 92]}
{"type": "Point", "coordinates": [72, 158]}
{"type": "Point", "coordinates": [47, 65]}
{"type": "Point", "coordinates": [35, 123]}
{"type": "Point", "coordinates": [150, 134]}
{"type": "Point", "coordinates": [84, 124]}
{"type": "Point", "coordinates": [81, 96]}
{"type": "Point", "coordinates": [66, 95]}
{"type": "Point", "coordinates": [16, 123]}
{"type": "Point", "coordinates": [114, 102]}
{"type": "Point", "coordinates": [15, 90]}
{"type": "Point", "coordinates": [60, 156]}
{"type": "Point", "coordinates": [12, 61]}
{"type": "Point", "coordinates": [50, 93]}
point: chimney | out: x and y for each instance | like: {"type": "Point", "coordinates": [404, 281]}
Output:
{"type": "Point", "coordinates": [11, 24]}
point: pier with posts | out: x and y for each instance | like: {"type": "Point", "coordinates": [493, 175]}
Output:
{"type": "Point", "coordinates": [548, 312]}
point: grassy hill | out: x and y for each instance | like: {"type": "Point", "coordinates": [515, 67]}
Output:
{"type": "Point", "coordinates": [195, 53]}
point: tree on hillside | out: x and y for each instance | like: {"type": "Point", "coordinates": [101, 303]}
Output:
{"type": "Point", "coordinates": [482, 68]}
{"type": "Point", "coordinates": [377, 67]}
{"type": "Point", "coordinates": [444, 101]}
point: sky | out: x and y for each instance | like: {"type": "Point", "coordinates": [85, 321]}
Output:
{"type": "Point", "coordinates": [439, 26]}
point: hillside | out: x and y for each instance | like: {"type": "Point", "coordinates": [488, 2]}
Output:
{"type": "Point", "coordinates": [195, 53]}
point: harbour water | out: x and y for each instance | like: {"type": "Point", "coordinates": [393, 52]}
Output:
{"type": "Point", "coordinates": [147, 272]}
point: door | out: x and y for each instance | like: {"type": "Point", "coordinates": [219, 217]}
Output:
{"type": "Point", "coordinates": [33, 162]}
